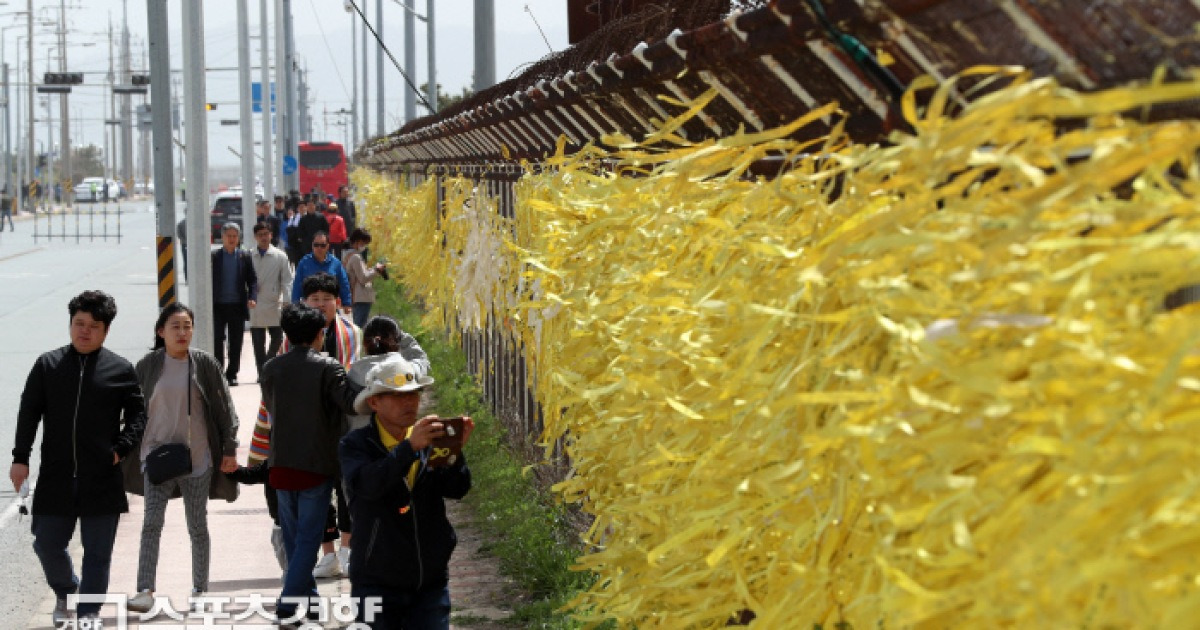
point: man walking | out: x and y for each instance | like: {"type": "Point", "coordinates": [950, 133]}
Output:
{"type": "Point", "coordinates": [346, 208]}
{"type": "Point", "coordinates": [6, 204]}
{"type": "Point", "coordinates": [274, 275]}
{"type": "Point", "coordinates": [264, 215]}
{"type": "Point", "coordinates": [320, 261]}
{"type": "Point", "coordinates": [90, 405]}
{"type": "Point", "coordinates": [307, 394]}
{"type": "Point", "coordinates": [235, 292]}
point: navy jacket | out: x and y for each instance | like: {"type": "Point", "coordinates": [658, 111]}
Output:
{"type": "Point", "coordinates": [247, 285]}
{"type": "Point", "coordinates": [90, 406]}
{"type": "Point", "coordinates": [402, 538]}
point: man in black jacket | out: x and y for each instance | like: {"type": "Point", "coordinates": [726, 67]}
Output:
{"type": "Point", "coordinates": [91, 408]}
{"type": "Point", "coordinates": [306, 394]}
{"type": "Point", "coordinates": [346, 208]}
{"type": "Point", "coordinates": [235, 292]}
{"type": "Point", "coordinates": [399, 564]}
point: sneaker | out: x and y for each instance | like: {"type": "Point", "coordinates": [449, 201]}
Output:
{"type": "Point", "coordinates": [61, 615]}
{"type": "Point", "coordinates": [327, 567]}
{"type": "Point", "coordinates": [343, 555]}
{"type": "Point", "coordinates": [277, 545]}
{"type": "Point", "coordinates": [142, 602]}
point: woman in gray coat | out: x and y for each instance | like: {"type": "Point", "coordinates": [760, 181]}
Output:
{"type": "Point", "coordinates": [187, 401]}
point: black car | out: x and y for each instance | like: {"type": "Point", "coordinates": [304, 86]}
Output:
{"type": "Point", "coordinates": [227, 207]}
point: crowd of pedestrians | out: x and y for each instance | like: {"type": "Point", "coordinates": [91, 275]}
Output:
{"type": "Point", "coordinates": [338, 444]}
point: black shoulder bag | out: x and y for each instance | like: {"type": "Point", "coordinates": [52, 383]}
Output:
{"type": "Point", "coordinates": [173, 460]}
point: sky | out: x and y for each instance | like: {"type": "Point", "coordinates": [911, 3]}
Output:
{"type": "Point", "coordinates": [322, 31]}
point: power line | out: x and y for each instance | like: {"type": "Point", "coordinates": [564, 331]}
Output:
{"type": "Point", "coordinates": [391, 56]}
{"type": "Point", "coordinates": [539, 27]}
{"type": "Point", "coordinates": [329, 50]}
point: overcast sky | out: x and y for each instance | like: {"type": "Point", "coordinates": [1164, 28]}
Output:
{"type": "Point", "coordinates": [323, 45]}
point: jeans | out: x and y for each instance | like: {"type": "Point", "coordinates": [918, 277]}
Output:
{"type": "Point", "coordinates": [423, 610]}
{"type": "Point", "coordinates": [302, 519]}
{"type": "Point", "coordinates": [258, 339]}
{"type": "Point", "coordinates": [52, 534]}
{"type": "Point", "coordinates": [361, 312]}
{"type": "Point", "coordinates": [6, 213]}
{"type": "Point", "coordinates": [232, 317]}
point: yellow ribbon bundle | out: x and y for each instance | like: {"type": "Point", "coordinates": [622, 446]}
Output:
{"type": "Point", "coordinates": [929, 384]}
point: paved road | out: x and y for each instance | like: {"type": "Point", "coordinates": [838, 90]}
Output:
{"type": "Point", "coordinates": [37, 279]}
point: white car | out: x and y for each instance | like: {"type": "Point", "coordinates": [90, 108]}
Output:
{"type": "Point", "coordinates": [92, 189]}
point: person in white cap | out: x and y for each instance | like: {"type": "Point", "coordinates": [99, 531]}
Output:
{"type": "Point", "coordinates": [394, 492]}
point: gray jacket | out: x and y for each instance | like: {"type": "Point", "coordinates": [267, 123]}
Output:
{"type": "Point", "coordinates": [218, 412]}
{"type": "Point", "coordinates": [409, 349]}
{"type": "Point", "coordinates": [274, 286]}
{"type": "Point", "coordinates": [307, 394]}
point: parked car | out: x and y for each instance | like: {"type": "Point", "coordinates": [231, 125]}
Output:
{"type": "Point", "coordinates": [92, 189]}
{"type": "Point", "coordinates": [226, 207]}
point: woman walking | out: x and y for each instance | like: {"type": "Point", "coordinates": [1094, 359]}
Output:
{"type": "Point", "coordinates": [362, 290]}
{"type": "Point", "coordinates": [187, 402]}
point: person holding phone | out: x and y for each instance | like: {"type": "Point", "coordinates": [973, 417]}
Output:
{"type": "Point", "coordinates": [395, 489]}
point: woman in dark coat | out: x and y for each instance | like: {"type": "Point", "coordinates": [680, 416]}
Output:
{"type": "Point", "coordinates": [188, 402]}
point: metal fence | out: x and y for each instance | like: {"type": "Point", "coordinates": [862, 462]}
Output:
{"type": "Point", "coordinates": [767, 65]}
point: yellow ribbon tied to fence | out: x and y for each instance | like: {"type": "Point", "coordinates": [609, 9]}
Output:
{"type": "Point", "coordinates": [926, 384]}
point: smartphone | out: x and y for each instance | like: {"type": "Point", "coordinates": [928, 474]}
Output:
{"type": "Point", "coordinates": [448, 448]}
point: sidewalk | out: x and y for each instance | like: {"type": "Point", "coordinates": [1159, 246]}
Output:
{"type": "Point", "coordinates": [243, 564]}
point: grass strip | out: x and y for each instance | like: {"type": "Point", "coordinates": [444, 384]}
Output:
{"type": "Point", "coordinates": [524, 526]}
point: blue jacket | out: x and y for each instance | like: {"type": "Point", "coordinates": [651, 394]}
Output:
{"type": "Point", "coordinates": [308, 266]}
{"type": "Point", "coordinates": [403, 539]}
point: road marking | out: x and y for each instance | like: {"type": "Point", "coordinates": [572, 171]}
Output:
{"type": "Point", "coordinates": [18, 254]}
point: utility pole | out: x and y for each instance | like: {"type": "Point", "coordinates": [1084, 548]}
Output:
{"type": "Point", "coordinates": [281, 102]}
{"type": "Point", "coordinates": [268, 173]}
{"type": "Point", "coordinates": [247, 121]}
{"type": "Point", "coordinates": [305, 120]}
{"type": "Point", "coordinates": [48, 187]}
{"type": "Point", "coordinates": [126, 105]}
{"type": "Point", "coordinates": [366, 100]}
{"type": "Point", "coordinates": [194, 97]}
{"type": "Point", "coordinates": [379, 103]}
{"type": "Point", "coordinates": [8, 183]}
{"type": "Point", "coordinates": [410, 66]}
{"type": "Point", "coordinates": [164, 189]}
{"type": "Point", "coordinates": [485, 44]}
{"type": "Point", "coordinates": [30, 90]}
{"type": "Point", "coordinates": [64, 111]}
{"type": "Point", "coordinates": [353, 78]}
{"type": "Point", "coordinates": [290, 70]}
{"type": "Point", "coordinates": [431, 88]}
{"type": "Point", "coordinates": [110, 131]}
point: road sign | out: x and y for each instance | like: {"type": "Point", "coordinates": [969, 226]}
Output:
{"type": "Point", "coordinates": [256, 97]}
{"type": "Point", "coordinates": [289, 164]}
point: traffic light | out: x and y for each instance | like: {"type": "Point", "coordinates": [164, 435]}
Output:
{"type": "Point", "coordinates": [62, 78]}
{"type": "Point", "coordinates": [210, 106]}
{"type": "Point", "coordinates": [137, 85]}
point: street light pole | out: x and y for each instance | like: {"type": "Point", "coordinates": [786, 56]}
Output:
{"type": "Point", "coordinates": [160, 119]}
{"type": "Point", "coordinates": [247, 121]}
{"type": "Point", "coordinates": [431, 87]}
{"type": "Point", "coordinates": [199, 262]}
{"type": "Point", "coordinates": [268, 172]}
{"type": "Point", "coordinates": [64, 110]}
{"type": "Point", "coordinates": [29, 86]}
